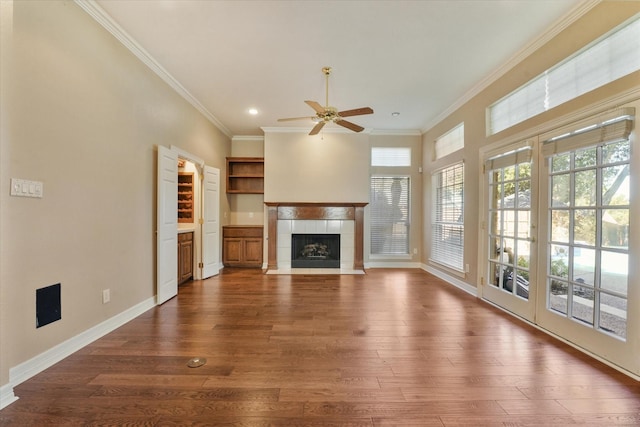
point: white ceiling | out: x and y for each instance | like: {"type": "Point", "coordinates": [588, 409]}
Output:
{"type": "Point", "coordinates": [418, 58]}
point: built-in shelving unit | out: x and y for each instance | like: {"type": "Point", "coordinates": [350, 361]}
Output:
{"type": "Point", "coordinates": [185, 197]}
{"type": "Point", "coordinates": [245, 175]}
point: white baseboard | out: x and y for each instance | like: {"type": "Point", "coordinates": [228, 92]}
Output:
{"type": "Point", "coordinates": [39, 363]}
{"type": "Point", "coordinates": [391, 264]}
{"type": "Point", "coordinates": [452, 280]}
{"type": "Point", "coordinates": [6, 395]}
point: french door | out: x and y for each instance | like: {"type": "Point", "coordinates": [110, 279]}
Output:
{"type": "Point", "coordinates": [509, 224]}
{"type": "Point", "coordinates": [559, 234]}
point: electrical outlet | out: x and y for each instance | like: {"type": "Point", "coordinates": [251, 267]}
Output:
{"type": "Point", "coordinates": [415, 251]}
{"type": "Point", "coordinates": [106, 296]}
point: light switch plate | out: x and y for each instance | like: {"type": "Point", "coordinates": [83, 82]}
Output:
{"type": "Point", "coordinates": [26, 188]}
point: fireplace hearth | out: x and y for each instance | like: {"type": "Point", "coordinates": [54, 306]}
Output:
{"type": "Point", "coordinates": [315, 251]}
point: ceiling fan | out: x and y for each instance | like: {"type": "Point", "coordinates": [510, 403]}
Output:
{"type": "Point", "coordinates": [328, 114]}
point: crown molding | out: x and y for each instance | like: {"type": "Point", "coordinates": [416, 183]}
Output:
{"type": "Point", "coordinates": [248, 138]}
{"type": "Point", "coordinates": [306, 130]}
{"type": "Point", "coordinates": [374, 132]}
{"type": "Point", "coordinates": [103, 18]}
{"type": "Point", "coordinates": [397, 132]}
{"type": "Point", "coordinates": [556, 28]}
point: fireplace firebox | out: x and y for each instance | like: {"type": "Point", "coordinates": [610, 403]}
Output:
{"type": "Point", "coordinates": [315, 251]}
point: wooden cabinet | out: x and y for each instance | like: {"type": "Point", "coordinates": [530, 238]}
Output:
{"type": "Point", "coordinates": [185, 257]}
{"type": "Point", "coordinates": [185, 197]}
{"type": "Point", "coordinates": [245, 175]}
{"type": "Point", "coordinates": [242, 246]}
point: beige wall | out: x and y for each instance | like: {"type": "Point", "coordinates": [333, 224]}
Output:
{"type": "Point", "coordinates": [598, 21]}
{"type": "Point", "coordinates": [335, 167]}
{"type": "Point", "coordinates": [329, 167]}
{"type": "Point", "coordinates": [83, 115]}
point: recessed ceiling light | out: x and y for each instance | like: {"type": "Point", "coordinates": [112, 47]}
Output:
{"type": "Point", "coordinates": [253, 111]}
{"type": "Point", "coordinates": [395, 114]}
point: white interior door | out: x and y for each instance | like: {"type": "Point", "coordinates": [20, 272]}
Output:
{"type": "Point", "coordinates": [211, 222]}
{"type": "Point", "coordinates": [167, 220]}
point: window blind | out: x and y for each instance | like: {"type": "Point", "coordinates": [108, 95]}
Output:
{"type": "Point", "coordinates": [447, 229]}
{"type": "Point", "coordinates": [389, 213]}
{"type": "Point", "coordinates": [618, 128]}
{"type": "Point", "coordinates": [614, 56]}
{"type": "Point", "coordinates": [450, 142]}
{"type": "Point", "coordinates": [391, 156]}
{"type": "Point", "coordinates": [509, 159]}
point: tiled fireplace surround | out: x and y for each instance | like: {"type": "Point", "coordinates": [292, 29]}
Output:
{"type": "Point", "coordinates": [285, 218]}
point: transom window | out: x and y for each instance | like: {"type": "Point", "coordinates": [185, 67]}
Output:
{"type": "Point", "coordinates": [614, 56]}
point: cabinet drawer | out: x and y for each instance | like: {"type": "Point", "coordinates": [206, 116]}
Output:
{"type": "Point", "coordinates": [242, 231]}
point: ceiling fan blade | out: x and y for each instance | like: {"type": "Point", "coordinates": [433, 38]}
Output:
{"type": "Point", "coordinates": [356, 112]}
{"type": "Point", "coordinates": [354, 127]}
{"type": "Point", "coordinates": [316, 129]}
{"type": "Point", "coordinates": [288, 119]}
{"type": "Point", "coordinates": [313, 104]}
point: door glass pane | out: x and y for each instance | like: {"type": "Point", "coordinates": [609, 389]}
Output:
{"type": "Point", "coordinates": [585, 191]}
{"type": "Point", "coordinates": [559, 263]}
{"type": "Point", "coordinates": [560, 226]}
{"type": "Point", "coordinates": [524, 254]}
{"type": "Point", "coordinates": [616, 152]}
{"type": "Point", "coordinates": [558, 295]}
{"type": "Point", "coordinates": [613, 315]}
{"type": "Point", "coordinates": [584, 230]}
{"type": "Point", "coordinates": [524, 170]}
{"type": "Point", "coordinates": [524, 194]}
{"type": "Point", "coordinates": [560, 190]}
{"type": "Point", "coordinates": [582, 308]}
{"type": "Point", "coordinates": [614, 275]}
{"type": "Point", "coordinates": [524, 219]}
{"type": "Point", "coordinates": [615, 185]}
{"type": "Point", "coordinates": [584, 265]}
{"type": "Point", "coordinates": [615, 228]}
{"type": "Point", "coordinates": [586, 158]}
{"type": "Point", "coordinates": [560, 163]}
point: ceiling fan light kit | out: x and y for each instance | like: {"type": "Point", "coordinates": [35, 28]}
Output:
{"type": "Point", "coordinates": [329, 114]}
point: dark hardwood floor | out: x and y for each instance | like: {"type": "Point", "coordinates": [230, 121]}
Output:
{"type": "Point", "coordinates": [389, 348]}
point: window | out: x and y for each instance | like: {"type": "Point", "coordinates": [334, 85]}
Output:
{"type": "Point", "coordinates": [391, 156]}
{"type": "Point", "coordinates": [390, 200]}
{"type": "Point", "coordinates": [450, 142]}
{"type": "Point", "coordinates": [447, 228]}
{"type": "Point", "coordinates": [588, 217]}
{"type": "Point", "coordinates": [613, 57]}
{"type": "Point", "coordinates": [389, 215]}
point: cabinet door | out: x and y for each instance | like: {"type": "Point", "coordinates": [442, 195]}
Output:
{"type": "Point", "coordinates": [232, 250]}
{"type": "Point", "coordinates": [253, 251]}
{"type": "Point", "coordinates": [186, 260]}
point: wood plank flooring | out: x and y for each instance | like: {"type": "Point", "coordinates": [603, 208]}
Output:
{"type": "Point", "coordinates": [388, 348]}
